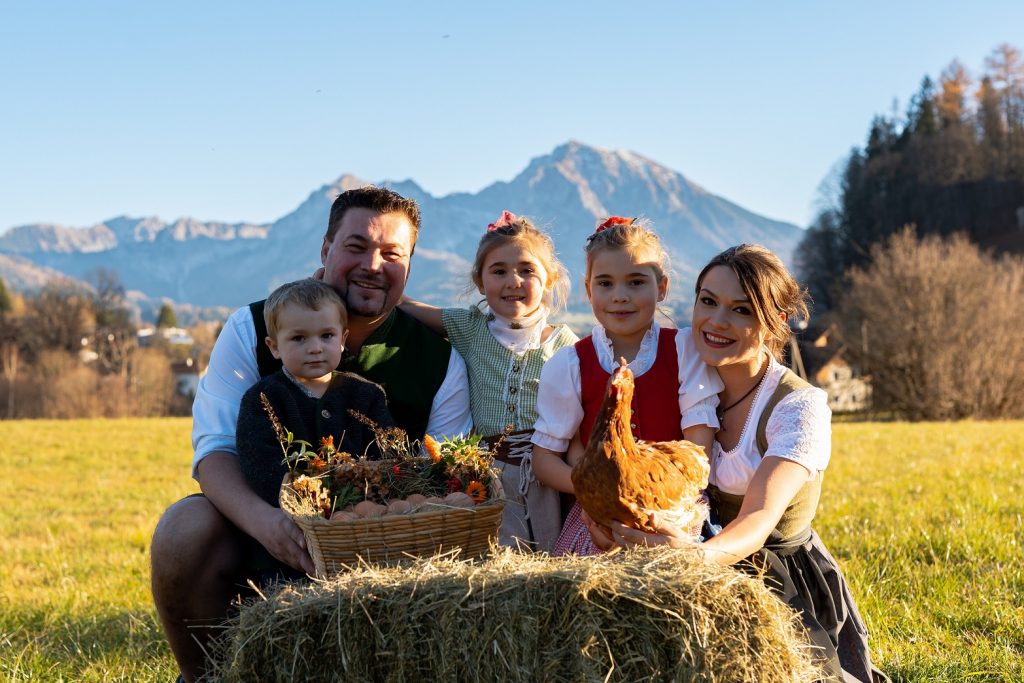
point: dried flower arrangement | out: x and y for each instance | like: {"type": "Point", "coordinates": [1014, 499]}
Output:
{"type": "Point", "coordinates": [410, 476]}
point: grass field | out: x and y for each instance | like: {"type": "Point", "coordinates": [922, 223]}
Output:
{"type": "Point", "coordinates": [925, 519]}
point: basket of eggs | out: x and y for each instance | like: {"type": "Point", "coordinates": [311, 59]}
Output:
{"type": "Point", "coordinates": [419, 499]}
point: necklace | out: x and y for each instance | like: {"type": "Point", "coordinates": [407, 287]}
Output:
{"type": "Point", "coordinates": [722, 411]}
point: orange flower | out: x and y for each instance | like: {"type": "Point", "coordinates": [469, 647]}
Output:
{"type": "Point", "coordinates": [432, 447]}
{"type": "Point", "coordinates": [327, 442]}
{"type": "Point", "coordinates": [476, 491]}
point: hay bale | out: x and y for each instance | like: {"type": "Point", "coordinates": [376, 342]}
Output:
{"type": "Point", "coordinates": [628, 616]}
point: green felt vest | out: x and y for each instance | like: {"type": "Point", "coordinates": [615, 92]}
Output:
{"type": "Point", "coordinates": [798, 516]}
{"type": "Point", "coordinates": [409, 361]}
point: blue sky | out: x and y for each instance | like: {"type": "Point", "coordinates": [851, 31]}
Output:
{"type": "Point", "coordinates": [236, 111]}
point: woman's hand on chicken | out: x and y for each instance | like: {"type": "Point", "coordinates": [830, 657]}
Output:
{"type": "Point", "coordinates": [772, 489]}
{"type": "Point", "coordinates": [627, 537]}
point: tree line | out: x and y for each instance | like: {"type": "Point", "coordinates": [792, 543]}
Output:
{"type": "Point", "coordinates": [917, 250]}
{"type": "Point", "coordinates": [72, 350]}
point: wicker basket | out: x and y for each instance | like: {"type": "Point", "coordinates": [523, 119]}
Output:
{"type": "Point", "coordinates": [336, 545]}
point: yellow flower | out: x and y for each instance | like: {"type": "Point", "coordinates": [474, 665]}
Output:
{"type": "Point", "coordinates": [476, 491]}
{"type": "Point", "coordinates": [432, 447]}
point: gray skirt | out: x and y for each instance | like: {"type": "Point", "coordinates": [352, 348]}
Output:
{"type": "Point", "coordinates": [805, 576]}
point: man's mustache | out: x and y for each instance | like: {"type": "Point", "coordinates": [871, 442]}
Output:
{"type": "Point", "coordinates": [370, 279]}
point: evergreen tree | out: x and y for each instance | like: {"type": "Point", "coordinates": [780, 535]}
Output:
{"type": "Point", "coordinates": [6, 305]}
{"type": "Point", "coordinates": [166, 317]}
{"type": "Point", "coordinates": [945, 168]}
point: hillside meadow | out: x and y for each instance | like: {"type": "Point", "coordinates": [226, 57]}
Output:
{"type": "Point", "coordinates": [926, 520]}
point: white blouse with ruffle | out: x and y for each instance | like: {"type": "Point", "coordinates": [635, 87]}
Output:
{"type": "Point", "coordinates": [799, 429]}
{"type": "Point", "coordinates": [560, 406]}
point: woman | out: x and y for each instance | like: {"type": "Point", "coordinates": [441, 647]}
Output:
{"type": "Point", "coordinates": [769, 456]}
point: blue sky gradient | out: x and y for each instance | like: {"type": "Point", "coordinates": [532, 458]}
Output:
{"type": "Point", "coordinates": [236, 111]}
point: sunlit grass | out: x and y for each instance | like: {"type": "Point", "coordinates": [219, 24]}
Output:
{"type": "Point", "coordinates": [77, 509]}
{"type": "Point", "coordinates": [925, 519]}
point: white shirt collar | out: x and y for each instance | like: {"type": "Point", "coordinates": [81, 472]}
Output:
{"type": "Point", "coordinates": [645, 357]}
{"type": "Point", "coordinates": [524, 335]}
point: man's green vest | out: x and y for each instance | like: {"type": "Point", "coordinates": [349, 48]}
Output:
{"type": "Point", "coordinates": [409, 361]}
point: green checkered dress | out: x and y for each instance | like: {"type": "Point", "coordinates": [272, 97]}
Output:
{"type": "Point", "coordinates": [502, 384]}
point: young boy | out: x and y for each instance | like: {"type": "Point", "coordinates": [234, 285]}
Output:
{"type": "Point", "coordinates": [306, 328]}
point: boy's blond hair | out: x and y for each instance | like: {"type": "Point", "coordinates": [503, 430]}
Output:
{"type": "Point", "coordinates": [310, 294]}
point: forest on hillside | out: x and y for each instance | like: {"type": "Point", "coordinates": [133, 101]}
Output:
{"type": "Point", "coordinates": [917, 253]}
{"type": "Point", "coordinates": [953, 163]}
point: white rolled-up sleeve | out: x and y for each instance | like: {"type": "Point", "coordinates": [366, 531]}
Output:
{"type": "Point", "coordinates": [232, 370]}
{"type": "Point", "coordinates": [449, 412]}
{"type": "Point", "coordinates": [699, 385]}
{"type": "Point", "coordinates": [800, 429]}
{"type": "Point", "coordinates": [559, 401]}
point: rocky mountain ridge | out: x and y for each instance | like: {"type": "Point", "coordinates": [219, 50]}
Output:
{"type": "Point", "coordinates": [567, 192]}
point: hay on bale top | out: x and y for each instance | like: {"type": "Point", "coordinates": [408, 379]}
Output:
{"type": "Point", "coordinates": [643, 615]}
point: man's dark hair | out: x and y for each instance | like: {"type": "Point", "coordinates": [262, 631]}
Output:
{"type": "Point", "coordinates": [379, 199]}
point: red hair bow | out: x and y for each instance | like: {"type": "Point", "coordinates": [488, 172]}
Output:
{"type": "Point", "coordinates": [507, 219]}
{"type": "Point", "coordinates": [612, 221]}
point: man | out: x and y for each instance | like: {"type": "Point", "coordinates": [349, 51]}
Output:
{"type": "Point", "coordinates": [202, 551]}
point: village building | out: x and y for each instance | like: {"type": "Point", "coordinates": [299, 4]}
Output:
{"type": "Point", "coordinates": [822, 358]}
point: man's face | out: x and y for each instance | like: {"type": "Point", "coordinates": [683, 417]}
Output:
{"type": "Point", "coordinates": [368, 260]}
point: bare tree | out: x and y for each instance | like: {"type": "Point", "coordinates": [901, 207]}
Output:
{"type": "Point", "coordinates": [59, 317]}
{"type": "Point", "coordinates": [941, 328]}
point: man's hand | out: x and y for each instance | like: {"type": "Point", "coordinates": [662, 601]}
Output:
{"type": "Point", "coordinates": [279, 535]}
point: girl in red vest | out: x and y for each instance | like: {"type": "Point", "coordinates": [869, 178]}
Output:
{"type": "Point", "coordinates": [626, 277]}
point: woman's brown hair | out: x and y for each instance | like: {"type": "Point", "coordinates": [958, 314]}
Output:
{"type": "Point", "coordinates": [771, 288]}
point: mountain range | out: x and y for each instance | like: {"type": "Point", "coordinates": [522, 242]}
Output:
{"type": "Point", "coordinates": [566, 192]}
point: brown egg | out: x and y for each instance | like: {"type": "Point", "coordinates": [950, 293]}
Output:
{"type": "Point", "coordinates": [459, 500]}
{"type": "Point", "coordinates": [399, 507]}
{"type": "Point", "coordinates": [416, 499]}
{"type": "Point", "coordinates": [368, 508]}
{"type": "Point", "coordinates": [344, 516]}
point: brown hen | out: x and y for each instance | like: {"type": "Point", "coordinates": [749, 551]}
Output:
{"type": "Point", "coordinates": [620, 478]}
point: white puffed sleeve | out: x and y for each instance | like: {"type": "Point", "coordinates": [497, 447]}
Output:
{"type": "Point", "coordinates": [559, 403]}
{"type": "Point", "coordinates": [800, 429]}
{"type": "Point", "coordinates": [699, 385]}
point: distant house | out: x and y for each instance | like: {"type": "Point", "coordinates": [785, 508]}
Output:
{"type": "Point", "coordinates": [174, 336]}
{"type": "Point", "coordinates": [824, 355]}
{"type": "Point", "coordinates": [186, 377]}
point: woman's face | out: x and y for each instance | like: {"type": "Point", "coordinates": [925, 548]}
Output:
{"type": "Point", "coordinates": [725, 328]}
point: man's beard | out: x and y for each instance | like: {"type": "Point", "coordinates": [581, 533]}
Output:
{"type": "Point", "coordinates": [358, 305]}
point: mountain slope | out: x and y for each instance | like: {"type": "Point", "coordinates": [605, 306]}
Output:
{"type": "Point", "coordinates": [566, 192]}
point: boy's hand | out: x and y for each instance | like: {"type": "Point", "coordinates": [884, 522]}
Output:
{"type": "Point", "coordinates": [283, 539]}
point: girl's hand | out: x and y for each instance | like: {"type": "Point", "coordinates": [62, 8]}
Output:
{"type": "Point", "coordinates": [667, 534]}
{"type": "Point", "coordinates": [601, 535]}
